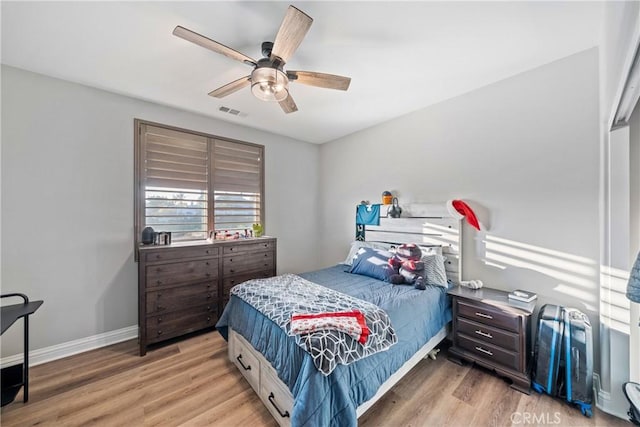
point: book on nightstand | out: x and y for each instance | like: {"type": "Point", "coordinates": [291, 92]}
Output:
{"type": "Point", "coordinates": [520, 295]}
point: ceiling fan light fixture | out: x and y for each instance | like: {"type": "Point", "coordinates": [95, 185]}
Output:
{"type": "Point", "coordinates": [269, 84]}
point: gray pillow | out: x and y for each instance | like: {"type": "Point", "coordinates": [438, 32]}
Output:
{"type": "Point", "coordinates": [434, 271]}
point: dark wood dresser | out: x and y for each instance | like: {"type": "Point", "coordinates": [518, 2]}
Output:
{"type": "Point", "coordinates": [183, 288]}
{"type": "Point", "coordinates": [493, 331]}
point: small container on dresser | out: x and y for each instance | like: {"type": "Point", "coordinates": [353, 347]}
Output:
{"type": "Point", "coordinates": [183, 288]}
{"type": "Point", "coordinates": [494, 332]}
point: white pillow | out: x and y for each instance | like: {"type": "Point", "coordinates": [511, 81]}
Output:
{"type": "Point", "coordinates": [430, 250]}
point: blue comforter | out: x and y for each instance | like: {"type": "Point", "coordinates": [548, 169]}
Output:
{"type": "Point", "coordinates": [322, 401]}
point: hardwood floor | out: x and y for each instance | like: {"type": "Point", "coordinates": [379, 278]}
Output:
{"type": "Point", "coordinates": [191, 383]}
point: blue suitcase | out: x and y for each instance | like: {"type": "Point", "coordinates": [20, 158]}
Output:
{"type": "Point", "coordinates": [548, 349]}
{"type": "Point", "coordinates": [578, 360]}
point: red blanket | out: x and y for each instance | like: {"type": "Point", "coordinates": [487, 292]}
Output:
{"type": "Point", "coordinates": [349, 322]}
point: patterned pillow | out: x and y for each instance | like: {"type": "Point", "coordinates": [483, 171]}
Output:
{"type": "Point", "coordinates": [355, 247]}
{"type": "Point", "coordinates": [434, 271]}
{"type": "Point", "coordinates": [373, 263]}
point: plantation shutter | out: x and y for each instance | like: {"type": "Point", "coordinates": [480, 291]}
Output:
{"type": "Point", "coordinates": [176, 182]}
{"type": "Point", "coordinates": [175, 159]}
{"type": "Point", "coordinates": [189, 183]}
{"type": "Point", "coordinates": [237, 184]}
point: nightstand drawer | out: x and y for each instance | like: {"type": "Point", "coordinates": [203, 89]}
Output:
{"type": "Point", "coordinates": [489, 334]}
{"type": "Point", "coordinates": [488, 315]}
{"type": "Point", "coordinates": [490, 352]}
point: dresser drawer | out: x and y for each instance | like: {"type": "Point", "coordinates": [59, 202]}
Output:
{"type": "Point", "coordinates": [230, 282]}
{"type": "Point", "coordinates": [489, 334]}
{"type": "Point", "coordinates": [247, 363]}
{"type": "Point", "coordinates": [246, 263]}
{"type": "Point", "coordinates": [180, 272]}
{"type": "Point", "coordinates": [489, 352]}
{"type": "Point", "coordinates": [249, 247]}
{"type": "Point", "coordinates": [488, 315]}
{"type": "Point", "coordinates": [181, 322]}
{"type": "Point", "coordinates": [170, 254]}
{"type": "Point", "coordinates": [182, 297]}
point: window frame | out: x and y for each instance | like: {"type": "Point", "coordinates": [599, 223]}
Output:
{"type": "Point", "coordinates": [139, 168]}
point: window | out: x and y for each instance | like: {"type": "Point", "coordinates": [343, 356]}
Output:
{"type": "Point", "coordinates": [190, 183]}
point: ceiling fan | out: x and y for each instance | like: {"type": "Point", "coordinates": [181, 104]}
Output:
{"type": "Point", "coordinates": [269, 81]}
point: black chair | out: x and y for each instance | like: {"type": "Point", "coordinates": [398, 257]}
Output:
{"type": "Point", "coordinates": [16, 376]}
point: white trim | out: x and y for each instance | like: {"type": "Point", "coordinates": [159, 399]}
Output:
{"type": "Point", "coordinates": [634, 44]}
{"type": "Point", "coordinates": [59, 351]}
{"type": "Point", "coordinates": [603, 400]}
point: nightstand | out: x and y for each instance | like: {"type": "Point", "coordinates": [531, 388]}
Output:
{"type": "Point", "coordinates": [494, 332]}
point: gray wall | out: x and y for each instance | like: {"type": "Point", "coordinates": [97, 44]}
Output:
{"type": "Point", "coordinates": [67, 202]}
{"type": "Point", "coordinates": [524, 152]}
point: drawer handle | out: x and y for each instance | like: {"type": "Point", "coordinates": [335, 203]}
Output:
{"type": "Point", "coordinates": [158, 256]}
{"type": "Point", "coordinates": [484, 351]}
{"type": "Point", "coordinates": [239, 359]}
{"type": "Point", "coordinates": [208, 319]}
{"type": "Point", "coordinates": [159, 332]}
{"type": "Point", "coordinates": [159, 319]}
{"type": "Point", "coordinates": [208, 274]}
{"type": "Point", "coordinates": [159, 295]}
{"type": "Point", "coordinates": [207, 262]}
{"type": "Point", "coordinates": [159, 282]}
{"type": "Point", "coordinates": [160, 308]}
{"type": "Point", "coordinates": [486, 316]}
{"type": "Point", "coordinates": [266, 245]}
{"type": "Point", "coordinates": [284, 414]}
{"type": "Point", "coordinates": [266, 255]}
{"type": "Point", "coordinates": [208, 296]}
{"type": "Point", "coordinates": [484, 334]}
{"type": "Point", "coordinates": [208, 307]}
{"type": "Point", "coordinates": [232, 271]}
{"type": "Point", "coordinates": [266, 264]}
{"type": "Point", "coordinates": [207, 250]}
{"type": "Point", "coordinates": [230, 249]}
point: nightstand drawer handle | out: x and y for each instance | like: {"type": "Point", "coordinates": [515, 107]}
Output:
{"type": "Point", "coordinates": [486, 316]}
{"type": "Point", "coordinates": [484, 334]}
{"type": "Point", "coordinates": [484, 351]}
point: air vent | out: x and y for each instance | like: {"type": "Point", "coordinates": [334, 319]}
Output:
{"type": "Point", "coordinates": [232, 111]}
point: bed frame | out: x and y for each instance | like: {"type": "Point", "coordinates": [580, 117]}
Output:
{"type": "Point", "coordinates": [426, 224]}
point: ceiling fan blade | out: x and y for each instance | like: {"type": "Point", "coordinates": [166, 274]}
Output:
{"type": "Point", "coordinates": [329, 81]}
{"type": "Point", "coordinates": [288, 105]}
{"type": "Point", "coordinates": [229, 88]}
{"type": "Point", "coordinates": [292, 30]}
{"type": "Point", "coordinates": [213, 45]}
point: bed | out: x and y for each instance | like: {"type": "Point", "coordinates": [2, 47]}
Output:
{"type": "Point", "coordinates": [283, 374]}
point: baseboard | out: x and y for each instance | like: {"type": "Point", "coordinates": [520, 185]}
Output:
{"type": "Point", "coordinates": [58, 351]}
{"type": "Point", "coordinates": [604, 401]}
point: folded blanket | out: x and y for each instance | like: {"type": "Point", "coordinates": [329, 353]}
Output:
{"type": "Point", "coordinates": [280, 297]}
{"type": "Point", "coordinates": [351, 323]}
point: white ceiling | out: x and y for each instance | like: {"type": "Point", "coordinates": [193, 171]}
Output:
{"type": "Point", "coordinates": [401, 56]}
